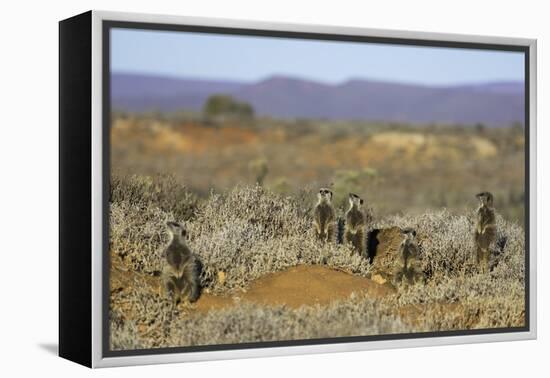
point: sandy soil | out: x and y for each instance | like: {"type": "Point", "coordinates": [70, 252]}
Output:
{"type": "Point", "coordinates": [310, 285]}
{"type": "Point", "coordinates": [304, 285]}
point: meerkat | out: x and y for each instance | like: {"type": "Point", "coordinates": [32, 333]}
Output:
{"type": "Point", "coordinates": [408, 270]}
{"type": "Point", "coordinates": [324, 216]}
{"type": "Point", "coordinates": [180, 274]}
{"type": "Point", "coordinates": [486, 229]}
{"type": "Point", "coordinates": [354, 227]}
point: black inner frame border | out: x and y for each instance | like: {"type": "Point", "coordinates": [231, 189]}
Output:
{"type": "Point", "coordinates": [107, 25]}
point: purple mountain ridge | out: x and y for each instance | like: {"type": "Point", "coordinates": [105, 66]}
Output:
{"type": "Point", "coordinates": [493, 104]}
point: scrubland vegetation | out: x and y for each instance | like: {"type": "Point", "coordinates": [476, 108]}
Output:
{"type": "Point", "coordinates": [246, 231]}
{"type": "Point", "coordinates": [396, 168]}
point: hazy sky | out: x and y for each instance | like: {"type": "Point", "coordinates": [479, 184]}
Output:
{"type": "Point", "coordinates": [244, 58]}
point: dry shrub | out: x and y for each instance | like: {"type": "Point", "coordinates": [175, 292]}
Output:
{"type": "Point", "coordinates": [447, 244]}
{"type": "Point", "coordinates": [139, 319]}
{"type": "Point", "coordinates": [140, 207]}
{"type": "Point", "coordinates": [479, 304]}
{"type": "Point", "coordinates": [137, 234]}
{"type": "Point", "coordinates": [247, 322]}
{"type": "Point", "coordinates": [163, 191]}
{"type": "Point", "coordinates": [249, 231]}
{"type": "Point", "coordinates": [245, 233]}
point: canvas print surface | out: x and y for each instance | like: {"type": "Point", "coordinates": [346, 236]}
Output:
{"type": "Point", "coordinates": [268, 189]}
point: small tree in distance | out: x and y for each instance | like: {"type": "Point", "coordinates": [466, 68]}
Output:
{"type": "Point", "coordinates": [221, 107]}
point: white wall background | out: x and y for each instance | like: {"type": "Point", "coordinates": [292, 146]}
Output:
{"type": "Point", "coordinates": [28, 211]}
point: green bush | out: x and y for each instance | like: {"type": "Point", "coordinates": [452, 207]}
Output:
{"type": "Point", "coordinates": [226, 106]}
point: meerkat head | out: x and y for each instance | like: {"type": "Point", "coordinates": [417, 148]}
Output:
{"type": "Point", "coordinates": [355, 201]}
{"type": "Point", "coordinates": [324, 195]}
{"type": "Point", "coordinates": [408, 233]}
{"type": "Point", "coordinates": [485, 199]}
{"type": "Point", "coordinates": [177, 231]}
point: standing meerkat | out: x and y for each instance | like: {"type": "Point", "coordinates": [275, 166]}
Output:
{"type": "Point", "coordinates": [354, 228]}
{"type": "Point", "coordinates": [324, 216]}
{"type": "Point", "coordinates": [180, 275]}
{"type": "Point", "coordinates": [408, 255]}
{"type": "Point", "coordinates": [486, 230]}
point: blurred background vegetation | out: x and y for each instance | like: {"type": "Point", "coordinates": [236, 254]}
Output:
{"type": "Point", "coordinates": [396, 168]}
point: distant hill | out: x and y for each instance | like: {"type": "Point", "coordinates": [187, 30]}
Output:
{"type": "Point", "coordinates": [494, 104]}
